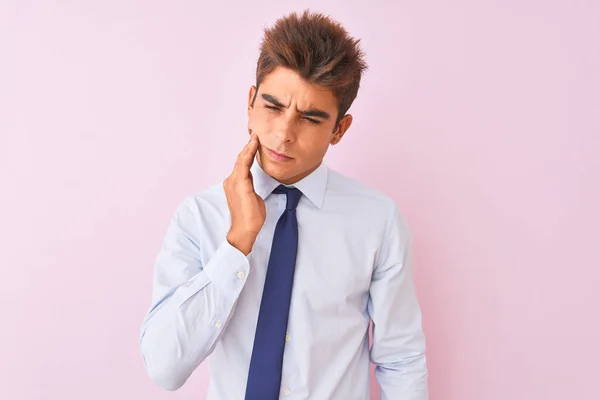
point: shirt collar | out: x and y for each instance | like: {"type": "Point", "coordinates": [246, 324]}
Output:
{"type": "Point", "coordinates": [311, 186]}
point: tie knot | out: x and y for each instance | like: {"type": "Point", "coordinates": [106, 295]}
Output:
{"type": "Point", "coordinates": [293, 196]}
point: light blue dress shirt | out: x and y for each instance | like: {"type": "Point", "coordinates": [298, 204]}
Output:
{"type": "Point", "coordinates": [354, 265]}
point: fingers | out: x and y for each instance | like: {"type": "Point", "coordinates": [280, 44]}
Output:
{"type": "Point", "coordinates": [246, 157]}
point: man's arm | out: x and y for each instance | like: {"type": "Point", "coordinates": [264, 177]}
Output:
{"type": "Point", "coordinates": [398, 348]}
{"type": "Point", "coordinates": [192, 303]}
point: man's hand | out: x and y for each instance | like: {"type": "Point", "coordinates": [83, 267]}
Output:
{"type": "Point", "coordinates": [247, 209]}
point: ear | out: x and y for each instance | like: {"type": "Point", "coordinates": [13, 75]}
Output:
{"type": "Point", "coordinates": [341, 129]}
{"type": "Point", "coordinates": [251, 95]}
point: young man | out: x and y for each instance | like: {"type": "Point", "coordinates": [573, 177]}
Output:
{"type": "Point", "coordinates": [277, 272]}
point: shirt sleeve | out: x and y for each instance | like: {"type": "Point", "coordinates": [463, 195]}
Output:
{"type": "Point", "coordinates": [191, 303]}
{"type": "Point", "coordinates": [398, 348]}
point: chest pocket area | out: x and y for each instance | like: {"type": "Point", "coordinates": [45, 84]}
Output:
{"type": "Point", "coordinates": [332, 286]}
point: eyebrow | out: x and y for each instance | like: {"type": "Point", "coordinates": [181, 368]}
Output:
{"type": "Point", "coordinates": [313, 112]}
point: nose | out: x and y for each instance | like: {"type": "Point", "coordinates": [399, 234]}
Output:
{"type": "Point", "coordinates": [285, 129]}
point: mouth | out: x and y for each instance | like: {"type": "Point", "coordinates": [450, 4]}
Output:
{"type": "Point", "coordinates": [277, 156]}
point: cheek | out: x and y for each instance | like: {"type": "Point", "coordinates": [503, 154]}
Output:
{"type": "Point", "coordinates": [312, 146]}
{"type": "Point", "coordinates": [262, 132]}
{"type": "Point", "coordinates": [260, 121]}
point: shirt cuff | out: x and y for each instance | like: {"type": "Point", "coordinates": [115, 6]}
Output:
{"type": "Point", "coordinates": [228, 267]}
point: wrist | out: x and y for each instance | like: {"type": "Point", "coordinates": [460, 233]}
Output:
{"type": "Point", "coordinates": [241, 241]}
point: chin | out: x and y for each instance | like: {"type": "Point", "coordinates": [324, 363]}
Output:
{"type": "Point", "coordinates": [278, 172]}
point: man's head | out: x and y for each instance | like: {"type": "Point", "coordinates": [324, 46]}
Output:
{"type": "Point", "coordinates": [307, 76]}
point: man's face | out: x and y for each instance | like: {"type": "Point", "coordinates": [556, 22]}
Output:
{"type": "Point", "coordinates": [295, 124]}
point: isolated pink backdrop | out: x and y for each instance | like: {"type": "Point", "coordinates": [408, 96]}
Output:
{"type": "Point", "coordinates": [481, 118]}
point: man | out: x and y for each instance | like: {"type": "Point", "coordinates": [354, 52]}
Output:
{"type": "Point", "coordinates": [277, 272]}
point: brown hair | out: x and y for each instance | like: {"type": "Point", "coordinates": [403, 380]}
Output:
{"type": "Point", "coordinates": [319, 50]}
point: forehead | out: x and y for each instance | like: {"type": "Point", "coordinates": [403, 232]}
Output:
{"type": "Point", "coordinates": [289, 87]}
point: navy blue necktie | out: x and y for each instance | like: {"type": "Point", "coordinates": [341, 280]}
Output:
{"type": "Point", "coordinates": [264, 377]}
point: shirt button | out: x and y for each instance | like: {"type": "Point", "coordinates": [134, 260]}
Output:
{"type": "Point", "coordinates": [288, 338]}
{"type": "Point", "coordinates": [218, 324]}
{"type": "Point", "coordinates": [287, 391]}
{"type": "Point", "coordinates": [241, 275]}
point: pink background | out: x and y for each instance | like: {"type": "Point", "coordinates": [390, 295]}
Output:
{"type": "Point", "coordinates": [486, 115]}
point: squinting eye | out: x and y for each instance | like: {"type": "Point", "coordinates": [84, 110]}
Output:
{"type": "Point", "coordinates": [313, 121]}
{"type": "Point", "coordinates": [272, 108]}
